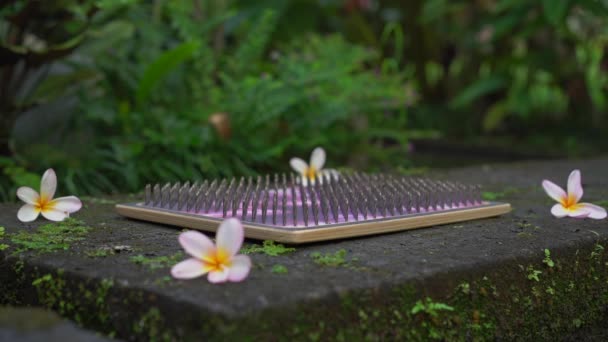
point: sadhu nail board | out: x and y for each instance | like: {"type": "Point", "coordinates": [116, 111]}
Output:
{"type": "Point", "coordinates": [282, 208]}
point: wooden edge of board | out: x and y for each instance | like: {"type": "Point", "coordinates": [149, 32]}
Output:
{"type": "Point", "coordinates": [331, 232]}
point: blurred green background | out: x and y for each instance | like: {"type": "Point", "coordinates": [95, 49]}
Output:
{"type": "Point", "coordinates": [116, 93]}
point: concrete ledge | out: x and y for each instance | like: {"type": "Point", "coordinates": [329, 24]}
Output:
{"type": "Point", "coordinates": [34, 324]}
{"type": "Point", "coordinates": [476, 280]}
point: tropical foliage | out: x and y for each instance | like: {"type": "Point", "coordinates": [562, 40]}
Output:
{"type": "Point", "coordinates": [116, 93]}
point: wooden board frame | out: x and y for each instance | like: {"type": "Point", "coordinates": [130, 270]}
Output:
{"type": "Point", "coordinates": [321, 233]}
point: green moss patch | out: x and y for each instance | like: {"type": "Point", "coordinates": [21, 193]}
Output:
{"type": "Point", "coordinates": [154, 263]}
{"type": "Point", "coordinates": [330, 259]}
{"type": "Point", "coordinates": [150, 326]}
{"type": "Point", "coordinates": [279, 269]}
{"type": "Point", "coordinates": [57, 292]}
{"type": "Point", "coordinates": [93, 303]}
{"type": "Point", "coordinates": [51, 237]}
{"type": "Point", "coordinates": [101, 252]}
{"type": "Point", "coordinates": [268, 247]}
{"type": "Point", "coordinates": [547, 260]}
{"type": "Point", "coordinates": [106, 251]}
{"type": "Point", "coordinates": [505, 303]}
{"type": "Point", "coordinates": [493, 196]}
{"type": "Point", "coordinates": [3, 246]}
{"type": "Point", "coordinates": [429, 307]}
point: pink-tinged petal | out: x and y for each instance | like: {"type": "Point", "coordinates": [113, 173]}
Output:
{"type": "Point", "coordinates": [188, 269]}
{"type": "Point", "coordinates": [595, 211]}
{"type": "Point", "coordinates": [240, 267]}
{"type": "Point", "coordinates": [68, 204]}
{"type": "Point", "coordinates": [298, 165]}
{"type": "Point", "coordinates": [230, 236]}
{"type": "Point", "coordinates": [28, 195]}
{"type": "Point", "coordinates": [48, 184]}
{"type": "Point", "coordinates": [559, 211]}
{"type": "Point", "coordinates": [28, 213]}
{"type": "Point", "coordinates": [554, 191]}
{"type": "Point", "coordinates": [196, 244]}
{"type": "Point", "coordinates": [317, 158]}
{"type": "Point", "coordinates": [218, 276]}
{"type": "Point", "coordinates": [575, 188]}
{"type": "Point", "coordinates": [54, 215]}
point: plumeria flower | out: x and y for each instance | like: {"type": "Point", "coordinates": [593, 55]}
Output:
{"type": "Point", "coordinates": [52, 209]}
{"type": "Point", "coordinates": [314, 170]}
{"type": "Point", "coordinates": [220, 261]}
{"type": "Point", "coordinates": [568, 203]}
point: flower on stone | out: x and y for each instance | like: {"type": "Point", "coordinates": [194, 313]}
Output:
{"type": "Point", "coordinates": [314, 170]}
{"type": "Point", "coordinates": [219, 261]}
{"type": "Point", "coordinates": [568, 203]}
{"type": "Point", "coordinates": [52, 209]}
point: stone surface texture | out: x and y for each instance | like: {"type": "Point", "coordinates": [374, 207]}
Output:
{"type": "Point", "coordinates": [38, 325]}
{"type": "Point", "coordinates": [433, 261]}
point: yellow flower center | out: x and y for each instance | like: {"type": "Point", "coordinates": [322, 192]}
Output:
{"type": "Point", "coordinates": [217, 261]}
{"type": "Point", "coordinates": [570, 203]}
{"type": "Point", "coordinates": [311, 173]}
{"type": "Point", "coordinates": [44, 204]}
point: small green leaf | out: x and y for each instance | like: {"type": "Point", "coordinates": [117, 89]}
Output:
{"type": "Point", "coordinates": [547, 261]}
{"type": "Point", "coordinates": [162, 66]}
{"type": "Point", "coordinates": [495, 115]}
{"type": "Point", "coordinates": [477, 90]}
{"type": "Point", "coordinates": [433, 10]}
{"type": "Point", "coordinates": [555, 10]}
{"type": "Point", "coordinates": [58, 85]}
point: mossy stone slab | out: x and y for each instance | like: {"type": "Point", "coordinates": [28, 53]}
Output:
{"type": "Point", "coordinates": [471, 280]}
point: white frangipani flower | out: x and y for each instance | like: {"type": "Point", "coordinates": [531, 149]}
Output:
{"type": "Point", "coordinates": [568, 203]}
{"type": "Point", "coordinates": [52, 209]}
{"type": "Point", "coordinates": [314, 170]}
{"type": "Point", "coordinates": [220, 261]}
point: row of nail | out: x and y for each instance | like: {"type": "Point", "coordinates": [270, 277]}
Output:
{"type": "Point", "coordinates": [286, 200]}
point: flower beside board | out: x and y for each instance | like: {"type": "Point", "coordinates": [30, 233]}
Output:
{"type": "Point", "coordinates": [43, 203]}
{"type": "Point", "coordinates": [568, 202]}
